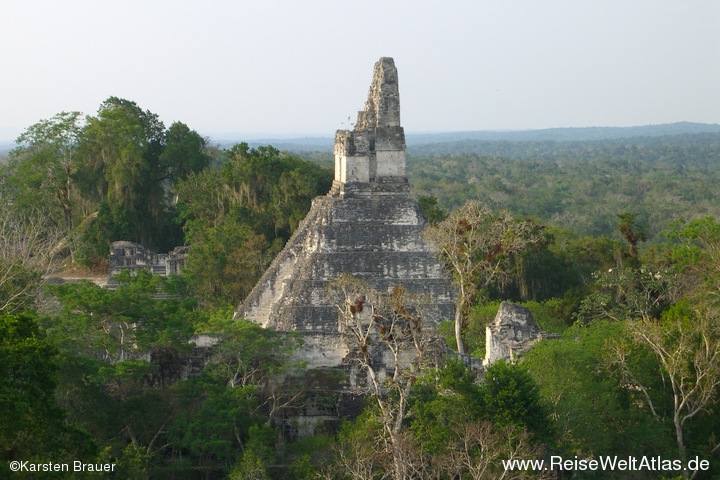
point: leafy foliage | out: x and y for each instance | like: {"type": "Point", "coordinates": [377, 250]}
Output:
{"type": "Point", "coordinates": [593, 412]}
{"type": "Point", "coordinates": [99, 377]}
{"type": "Point", "coordinates": [33, 426]}
{"type": "Point", "coordinates": [455, 429]}
{"type": "Point", "coordinates": [45, 162]}
{"type": "Point", "coordinates": [481, 248]}
{"type": "Point", "coordinates": [686, 343]}
{"type": "Point", "coordinates": [578, 185]}
{"type": "Point", "coordinates": [109, 177]}
{"type": "Point", "coordinates": [237, 218]}
{"type": "Point", "coordinates": [123, 323]}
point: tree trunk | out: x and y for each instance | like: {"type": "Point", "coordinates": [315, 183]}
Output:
{"type": "Point", "coordinates": [458, 329]}
{"type": "Point", "coordinates": [681, 443]}
{"type": "Point", "coordinates": [459, 319]}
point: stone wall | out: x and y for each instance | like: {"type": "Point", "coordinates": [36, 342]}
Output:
{"type": "Point", "coordinates": [511, 334]}
{"type": "Point", "coordinates": [133, 257]}
{"type": "Point", "coordinates": [375, 148]}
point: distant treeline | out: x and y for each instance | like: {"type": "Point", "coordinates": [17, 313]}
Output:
{"type": "Point", "coordinates": [578, 185]}
{"type": "Point", "coordinates": [424, 143]}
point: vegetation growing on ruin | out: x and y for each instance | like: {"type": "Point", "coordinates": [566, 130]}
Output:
{"type": "Point", "coordinates": [619, 257]}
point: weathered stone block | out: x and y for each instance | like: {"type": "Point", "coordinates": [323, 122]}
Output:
{"type": "Point", "coordinates": [369, 225]}
{"type": "Point", "coordinates": [512, 333]}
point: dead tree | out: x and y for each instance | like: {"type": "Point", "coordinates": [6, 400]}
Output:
{"type": "Point", "coordinates": [390, 343]}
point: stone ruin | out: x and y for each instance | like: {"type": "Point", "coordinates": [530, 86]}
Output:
{"type": "Point", "coordinates": [370, 226]}
{"type": "Point", "coordinates": [512, 334]}
{"type": "Point", "coordinates": [133, 257]}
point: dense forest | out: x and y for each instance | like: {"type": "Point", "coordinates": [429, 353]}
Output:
{"type": "Point", "coordinates": [613, 245]}
{"type": "Point", "coordinates": [579, 185]}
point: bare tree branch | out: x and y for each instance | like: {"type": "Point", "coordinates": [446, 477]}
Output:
{"type": "Point", "coordinates": [688, 349]}
{"type": "Point", "coordinates": [387, 340]}
{"type": "Point", "coordinates": [30, 249]}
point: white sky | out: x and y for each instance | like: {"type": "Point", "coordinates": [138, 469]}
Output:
{"type": "Point", "coordinates": [302, 67]}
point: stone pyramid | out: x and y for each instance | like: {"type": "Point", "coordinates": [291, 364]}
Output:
{"type": "Point", "coordinates": [368, 225]}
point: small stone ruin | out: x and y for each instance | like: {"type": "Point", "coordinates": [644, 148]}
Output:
{"type": "Point", "coordinates": [133, 257]}
{"type": "Point", "coordinates": [511, 334]}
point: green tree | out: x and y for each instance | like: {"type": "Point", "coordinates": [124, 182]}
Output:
{"type": "Point", "coordinates": [246, 353]}
{"type": "Point", "coordinates": [44, 166]}
{"type": "Point", "coordinates": [258, 454]}
{"type": "Point", "coordinates": [184, 152]}
{"type": "Point", "coordinates": [103, 176]}
{"type": "Point", "coordinates": [33, 426]}
{"type": "Point", "coordinates": [432, 212]}
{"type": "Point", "coordinates": [596, 409]}
{"type": "Point", "coordinates": [120, 324]}
{"type": "Point", "coordinates": [250, 358]}
{"type": "Point", "coordinates": [107, 384]}
{"type": "Point", "coordinates": [511, 397]}
{"type": "Point", "coordinates": [359, 452]}
{"type": "Point", "coordinates": [454, 428]}
{"type": "Point", "coordinates": [120, 147]}
{"type": "Point", "coordinates": [225, 261]}
{"type": "Point", "coordinates": [130, 166]}
{"type": "Point", "coordinates": [481, 247]}
{"type": "Point", "coordinates": [214, 422]}
{"type": "Point", "coordinates": [625, 293]}
{"type": "Point", "coordinates": [120, 143]}
{"type": "Point", "coordinates": [237, 218]}
{"type": "Point", "coordinates": [228, 408]}
{"type": "Point", "coordinates": [696, 258]}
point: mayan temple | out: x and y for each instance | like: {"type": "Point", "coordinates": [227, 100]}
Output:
{"type": "Point", "coordinates": [368, 225]}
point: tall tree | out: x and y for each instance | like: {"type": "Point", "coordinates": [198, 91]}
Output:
{"type": "Point", "coordinates": [480, 246]}
{"type": "Point", "coordinates": [45, 163]}
{"type": "Point", "coordinates": [120, 142]}
{"type": "Point", "coordinates": [120, 149]}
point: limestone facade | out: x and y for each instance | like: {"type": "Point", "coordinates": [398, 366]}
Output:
{"type": "Point", "coordinates": [132, 256]}
{"type": "Point", "coordinates": [369, 225]}
{"type": "Point", "coordinates": [512, 333]}
{"type": "Point", "coordinates": [375, 149]}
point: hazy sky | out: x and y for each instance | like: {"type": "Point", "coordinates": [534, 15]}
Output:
{"type": "Point", "coordinates": [304, 67]}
